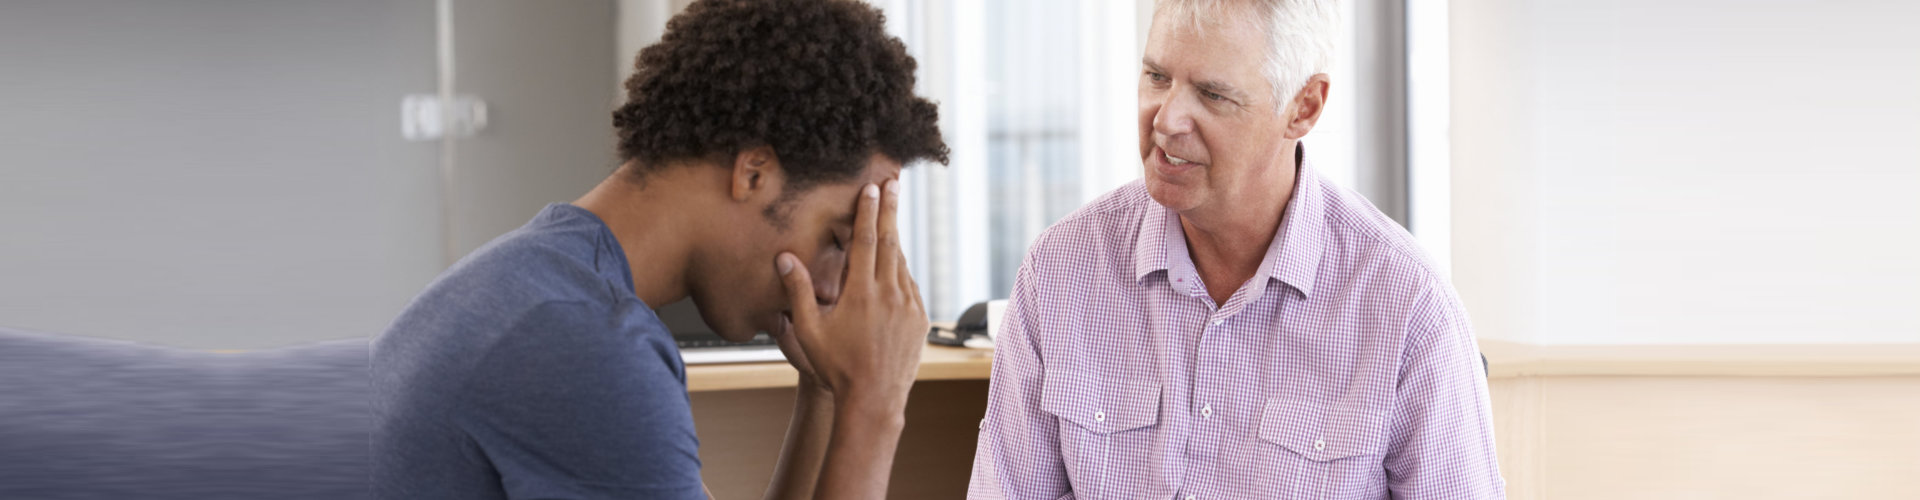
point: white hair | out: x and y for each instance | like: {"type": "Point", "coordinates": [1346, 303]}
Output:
{"type": "Point", "coordinates": [1300, 35]}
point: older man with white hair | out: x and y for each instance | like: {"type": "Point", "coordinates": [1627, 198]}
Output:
{"type": "Point", "coordinates": [1234, 325]}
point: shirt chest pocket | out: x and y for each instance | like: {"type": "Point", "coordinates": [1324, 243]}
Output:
{"type": "Point", "coordinates": [1109, 430]}
{"type": "Point", "coordinates": [1322, 452]}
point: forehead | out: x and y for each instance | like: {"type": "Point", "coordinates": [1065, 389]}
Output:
{"type": "Point", "coordinates": [879, 169]}
{"type": "Point", "coordinates": [1221, 41]}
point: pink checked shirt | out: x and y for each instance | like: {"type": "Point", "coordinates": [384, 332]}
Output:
{"type": "Point", "coordinates": [1344, 369]}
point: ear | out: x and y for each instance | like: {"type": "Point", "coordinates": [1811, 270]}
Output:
{"type": "Point", "coordinates": [1305, 109]}
{"type": "Point", "coordinates": [756, 173]}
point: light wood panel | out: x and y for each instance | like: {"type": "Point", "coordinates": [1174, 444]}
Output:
{"type": "Point", "coordinates": [1721, 437]}
{"type": "Point", "coordinates": [1517, 433]}
{"type": "Point", "coordinates": [1707, 422]}
{"type": "Point", "coordinates": [741, 432]}
{"type": "Point", "coordinates": [1509, 359]}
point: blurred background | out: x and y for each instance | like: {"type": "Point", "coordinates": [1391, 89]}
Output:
{"type": "Point", "coordinates": [1642, 202]}
{"type": "Point", "coordinates": [240, 175]}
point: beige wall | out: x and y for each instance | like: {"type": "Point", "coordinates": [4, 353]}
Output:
{"type": "Point", "coordinates": [1687, 172]}
{"type": "Point", "coordinates": [1705, 172]}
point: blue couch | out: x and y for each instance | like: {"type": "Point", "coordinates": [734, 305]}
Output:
{"type": "Point", "coordinates": [84, 418]}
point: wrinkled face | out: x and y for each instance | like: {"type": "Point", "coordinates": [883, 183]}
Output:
{"type": "Point", "coordinates": [737, 287]}
{"type": "Point", "coordinates": [1209, 130]}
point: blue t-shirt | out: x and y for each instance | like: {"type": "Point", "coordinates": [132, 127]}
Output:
{"type": "Point", "coordinates": [530, 370]}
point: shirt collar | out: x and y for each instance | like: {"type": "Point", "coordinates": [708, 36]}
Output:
{"type": "Point", "coordinates": [1293, 257]}
{"type": "Point", "coordinates": [1150, 249]}
{"type": "Point", "coordinates": [1302, 235]}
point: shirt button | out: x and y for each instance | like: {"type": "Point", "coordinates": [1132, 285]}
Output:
{"type": "Point", "coordinates": [1099, 416]}
{"type": "Point", "coordinates": [1189, 497]}
{"type": "Point", "coordinates": [983, 424]}
{"type": "Point", "coordinates": [1320, 444]}
{"type": "Point", "coordinates": [1217, 322]}
{"type": "Point", "coordinates": [1206, 411]}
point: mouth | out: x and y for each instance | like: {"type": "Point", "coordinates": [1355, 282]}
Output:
{"type": "Point", "coordinates": [1170, 164]}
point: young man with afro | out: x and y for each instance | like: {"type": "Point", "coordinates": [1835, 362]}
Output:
{"type": "Point", "coordinates": [762, 141]}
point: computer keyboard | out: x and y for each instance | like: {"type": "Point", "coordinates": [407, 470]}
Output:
{"type": "Point", "coordinates": [707, 349]}
{"type": "Point", "coordinates": [698, 341]}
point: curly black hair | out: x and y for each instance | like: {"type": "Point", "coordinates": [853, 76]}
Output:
{"type": "Point", "coordinates": [819, 81]}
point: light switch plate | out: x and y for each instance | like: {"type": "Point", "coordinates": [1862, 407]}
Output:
{"type": "Point", "coordinates": [425, 117]}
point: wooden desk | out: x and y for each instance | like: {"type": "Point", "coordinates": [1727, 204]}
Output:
{"type": "Point", "coordinates": [741, 412]}
{"type": "Point", "coordinates": [1820, 421]}
{"type": "Point", "coordinates": [936, 363]}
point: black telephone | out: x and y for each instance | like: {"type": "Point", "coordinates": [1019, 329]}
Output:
{"type": "Point", "coordinates": [973, 325]}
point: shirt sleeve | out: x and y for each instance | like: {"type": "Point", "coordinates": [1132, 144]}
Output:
{"type": "Point", "coordinates": [575, 403]}
{"type": "Point", "coordinates": [1018, 456]}
{"type": "Point", "coordinates": [1442, 435]}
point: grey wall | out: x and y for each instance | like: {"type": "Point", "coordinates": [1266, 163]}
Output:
{"type": "Point", "coordinates": [543, 69]}
{"type": "Point", "coordinates": [230, 174]}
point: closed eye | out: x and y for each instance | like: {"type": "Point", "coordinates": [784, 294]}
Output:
{"type": "Point", "coordinates": [839, 241]}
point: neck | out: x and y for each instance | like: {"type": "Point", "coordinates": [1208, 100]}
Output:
{"type": "Point", "coordinates": [648, 221]}
{"type": "Point", "coordinates": [1228, 241]}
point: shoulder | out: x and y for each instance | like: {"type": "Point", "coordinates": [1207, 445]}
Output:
{"type": "Point", "coordinates": [1376, 274]}
{"type": "Point", "coordinates": [1369, 245]}
{"type": "Point", "coordinates": [506, 278]}
{"type": "Point", "coordinates": [546, 258]}
{"type": "Point", "coordinates": [488, 291]}
{"type": "Point", "coordinates": [1108, 226]}
{"type": "Point", "coordinates": [586, 339]}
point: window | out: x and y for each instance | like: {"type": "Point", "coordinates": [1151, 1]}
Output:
{"type": "Point", "coordinates": [1038, 101]}
{"type": "Point", "coordinates": [1035, 95]}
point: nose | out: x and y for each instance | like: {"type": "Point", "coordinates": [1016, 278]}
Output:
{"type": "Point", "coordinates": [1175, 116]}
{"type": "Point", "coordinates": [826, 288]}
